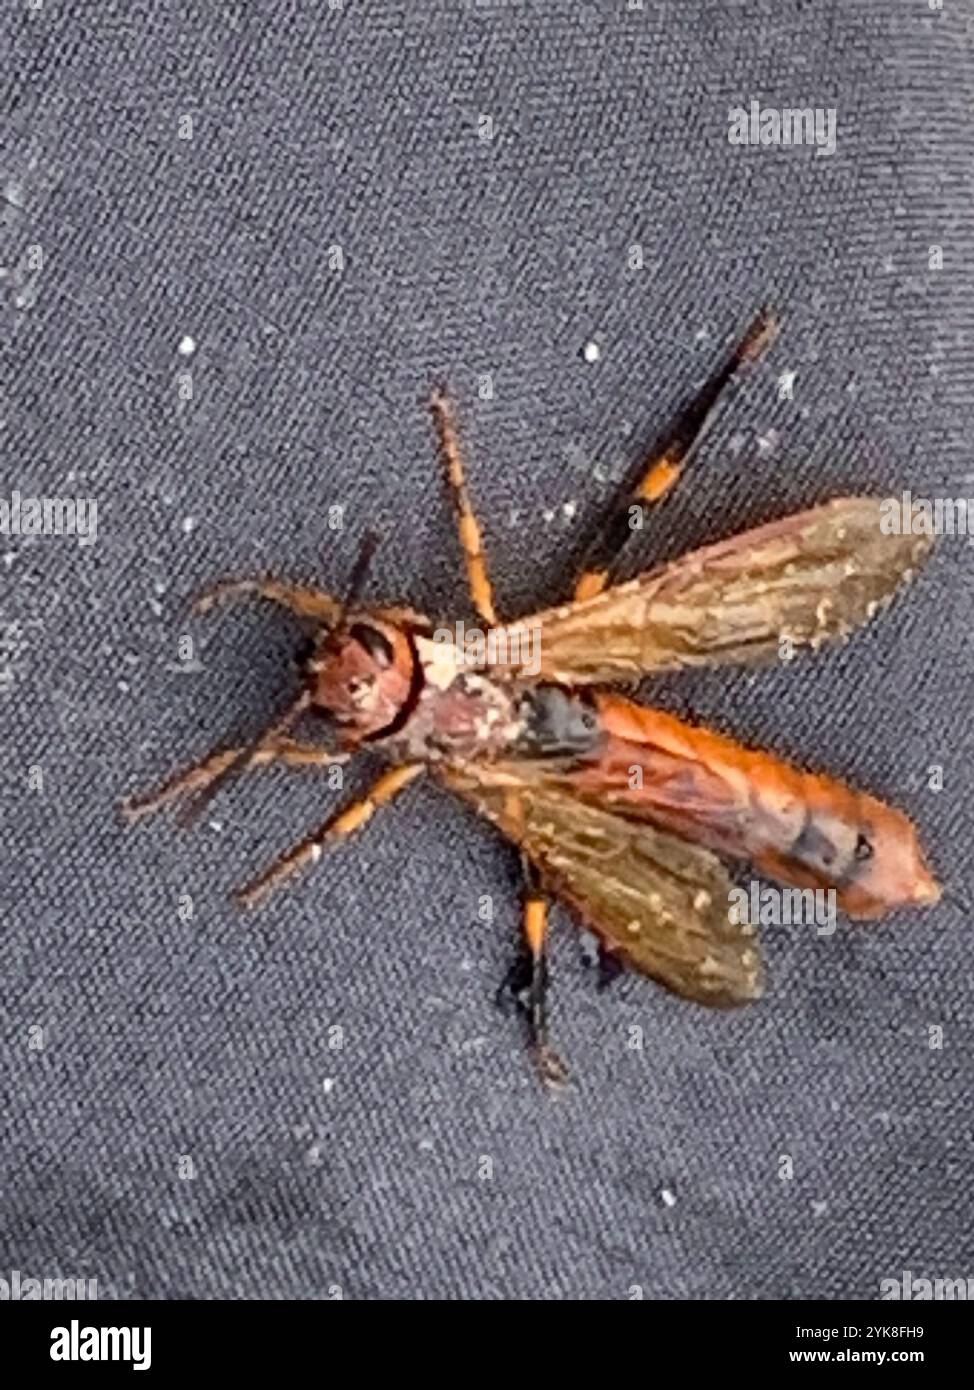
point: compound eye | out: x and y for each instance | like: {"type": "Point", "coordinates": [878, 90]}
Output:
{"type": "Point", "coordinates": [375, 642]}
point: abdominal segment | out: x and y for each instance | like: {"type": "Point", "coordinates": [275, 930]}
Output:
{"type": "Point", "coordinates": [793, 826]}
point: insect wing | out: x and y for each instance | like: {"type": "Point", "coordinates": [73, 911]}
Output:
{"type": "Point", "coordinates": [803, 580]}
{"type": "Point", "coordinates": [661, 903]}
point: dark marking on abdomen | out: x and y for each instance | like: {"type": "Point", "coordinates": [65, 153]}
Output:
{"type": "Point", "coordinates": [558, 723]}
{"type": "Point", "coordinates": [834, 848]}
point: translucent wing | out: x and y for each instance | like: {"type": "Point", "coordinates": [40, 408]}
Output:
{"type": "Point", "coordinates": [810, 577]}
{"type": "Point", "coordinates": [657, 900]}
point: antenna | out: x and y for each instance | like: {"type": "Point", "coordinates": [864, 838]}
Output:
{"type": "Point", "coordinates": [192, 810]}
{"type": "Point", "coordinates": [357, 578]}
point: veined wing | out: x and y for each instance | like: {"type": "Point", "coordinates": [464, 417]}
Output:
{"type": "Point", "coordinates": [808, 578]}
{"type": "Point", "coordinates": [660, 902]}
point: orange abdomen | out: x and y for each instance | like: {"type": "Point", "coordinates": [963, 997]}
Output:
{"type": "Point", "coordinates": [794, 826]}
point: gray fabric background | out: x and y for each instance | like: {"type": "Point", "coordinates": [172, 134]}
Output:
{"type": "Point", "coordinates": [209, 1037]}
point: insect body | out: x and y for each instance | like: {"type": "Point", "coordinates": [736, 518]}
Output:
{"type": "Point", "coordinates": [630, 816]}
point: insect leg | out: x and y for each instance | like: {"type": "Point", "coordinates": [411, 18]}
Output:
{"type": "Point", "coordinates": [338, 827]}
{"type": "Point", "coordinates": [300, 598]}
{"type": "Point", "coordinates": [469, 529]}
{"type": "Point", "coordinates": [610, 967]}
{"type": "Point", "coordinates": [527, 979]}
{"type": "Point", "coordinates": [201, 774]}
{"type": "Point", "coordinates": [655, 479]}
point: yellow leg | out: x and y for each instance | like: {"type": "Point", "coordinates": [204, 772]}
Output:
{"type": "Point", "coordinates": [470, 539]}
{"type": "Point", "coordinates": [657, 478]}
{"type": "Point", "coordinates": [535, 925]}
{"type": "Point", "coordinates": [201, 774]}
{"type": "Point", "coordinates": [310, 850]}
{"type": "Point", "coordinates": [551, 1068]}
{"type": "Point", "coordinates": [300, 598]}
{"type": "Point", "coordinates": [526, 982]}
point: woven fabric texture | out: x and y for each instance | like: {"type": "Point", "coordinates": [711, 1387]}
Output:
{"type": "Point", "coordinates": [239, 244]}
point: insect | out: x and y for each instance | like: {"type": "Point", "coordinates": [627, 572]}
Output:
{"type": "Point", "coordinates": [628, 815]}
